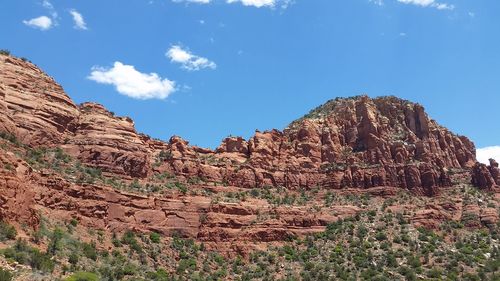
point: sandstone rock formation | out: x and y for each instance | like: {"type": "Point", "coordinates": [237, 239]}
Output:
{"type": "Point", "coordinates": [486, 177]}
{"type": "Point", "coordinates": [358, 143]}
{"type": "Point", "coordinates": [355, 142]}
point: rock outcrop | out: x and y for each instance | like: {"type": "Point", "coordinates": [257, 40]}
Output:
{"type": "Point", "coordinates": [354, 142]}
{"type": "Point", "coordinates": [39, 113]}
{"type": "Point", "coordinates": [36, 108]}
{"type": "Point", "coordinates": [25, 194]}
{"type": "Point", "coordinates": [486, 177]}
{"type": "Point", "coordinates": [358, 143]}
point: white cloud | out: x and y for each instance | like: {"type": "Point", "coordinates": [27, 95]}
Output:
{"type": "Point", "coordinates": [484, 154]}
{"type": "Point", "coordinates": [42, 23]}
{"type": "Point", "coordinates": [442, 6]}
{"type": "Point", "coordinates": [78, 19]}
{"type": "Point", "coordinates": [193, 1]}
{"type": "Point", "coordinates": [428, 3]}
{"type": "Point", "coordinates": [255, 3]}
{"type": "Point", "coordinates": [47, 5]}
{"type": "Point", "coordinates": [424, 3]}
{"type": "Point", "coordinates": [132, 83]}
{"type": "Point", "coordinates": [188, 60]}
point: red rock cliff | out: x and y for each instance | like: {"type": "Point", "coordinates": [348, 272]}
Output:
{"type": "Point", "coordinates": [350, 142]}
{"type": "Point", "coordinates": [378, 144]}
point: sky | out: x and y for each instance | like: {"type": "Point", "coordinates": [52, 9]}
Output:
{"type": "Point", "coordinates": [207, 69]}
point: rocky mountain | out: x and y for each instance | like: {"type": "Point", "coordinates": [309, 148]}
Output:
{"type": "Point", "coordinates": [62, 162]}
{"type": "Point", "coordinates": [354, 142]}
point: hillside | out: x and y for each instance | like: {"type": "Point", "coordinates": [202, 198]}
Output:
{"type": "Point", "coordinates": [359, 188]}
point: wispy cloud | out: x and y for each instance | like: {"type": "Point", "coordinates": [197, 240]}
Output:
{"type": "Point", "coordinates": [484, 154]}
{"type": "Point", "coordinates": [428, 3]}
{"type": "Point", "coordinates": [253, 3]}
{"type": "Point", "coordinates": [78, 19]}
{"type": "Point", "coordinates": [263, 3]}
{"type": "Point", "coordinates": [193, 1]}
{"type": "Point", "coordinates": [189, 61]}
{"type": "Point", "coordinates": [377, 2]}
{"type": "Point", "coordinates": [47, 5]}
{"type": "Point", "coordinates": [132, 83]}
{"type": "Point", "coordinates": [42, 23]}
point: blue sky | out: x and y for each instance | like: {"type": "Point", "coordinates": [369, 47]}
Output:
{"type": "Point", "coordinates": [225, 67]}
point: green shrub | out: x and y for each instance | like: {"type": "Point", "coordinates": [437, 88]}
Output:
{"type": "Point", "coordinates": [129, 269]}
{"type": "Point", "coordinates": [159, 275]}
{"type": "Point", "coordinates": [89, 250]}
{"type": "Point", "coordinates": [182, 188]}
{"type": "Point", "coordinates": [186, 264]}
{"type": "Point", "coordinates": [380, 236]}
{"type": "Point", "coordinates": [362, 231]}
{"type": "Point", "coordinates": [164, 155]}
{"type": "Point", "coordinates": [59, 154]}
{"type": "Point", "coordinates": [154, 237]}
{"type": "Point", "coordinates": [55, 243]}
{"type": "Point", "coordinates": [408, 273]}
{"type": "Point", "coordinates": [7, 231]}
{"type": "Point", "coordinates": [22, 253]}
{"type": "Point", "coordinates": [41, 261]}
{"type": "Point", "coordinates": [414, 261]}
{"type": "Point", "coordinates": [73, 258]}
{"type": "Point", "coordinates": [83, 276]}
{"type": "Point", "coordinates": [434, 273]}
{"type": "Point", "coordinates": [135, 184]}
{"type": "Point", "coordinates": [128, 238]}
{"type": "Point", "coordinates": [9, 137]}
{"type": "Point", "coordinates": [5, 52]}
{"type": "Point", "coordinates": [5, 275]}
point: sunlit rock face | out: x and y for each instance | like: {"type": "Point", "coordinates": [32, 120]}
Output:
{"type": "Point", "coordinates": [356, 142]}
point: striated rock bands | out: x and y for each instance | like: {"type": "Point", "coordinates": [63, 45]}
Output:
{"type": "Point", "coordinates": [379, 144]}
{"type": "Point", "coordinates": [354, 142]}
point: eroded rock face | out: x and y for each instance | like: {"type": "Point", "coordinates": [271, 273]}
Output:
{"type": "Point", "coordinates": [486, 177]}
{"type": "Point", "coordinates": [355, 142]}
{"type": "Point", "coordinates": [358, 143]}
{"type": "Point", "coordinates": [33, 102]}
{"type": "Point", "coordinates": [35, 109]}
{"type": "Point", "coordinates": [25, 194]}
{"type": "Point", "coordinates": [16, 191]}
{"type": "Point", "coordinates": [111, 143]}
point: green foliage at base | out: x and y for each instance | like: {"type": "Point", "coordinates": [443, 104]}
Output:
{"type": "Point", "coordinates": [5, 275]}
{"type": "Point", "coordinates": [22, 253]}
{"type": "Point", "coordinates": [83, 276]}
{"type": "Point", "coordinates": [7, 231]}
